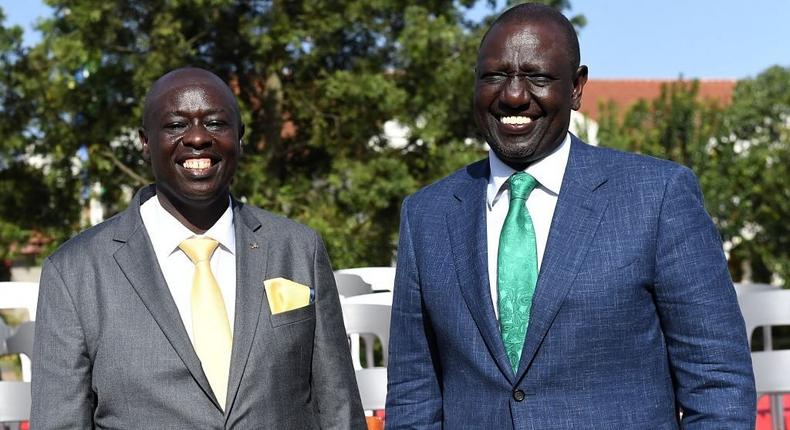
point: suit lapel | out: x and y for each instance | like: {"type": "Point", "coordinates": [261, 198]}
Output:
{"type": "Point", "coordinates": [576, 218]}
{"type": "Point", "coordinates": [251, 258]}
{"type": "Point", "coordinates": [135, 258]}
{"type": "Point", "coordinates": [466, 224]}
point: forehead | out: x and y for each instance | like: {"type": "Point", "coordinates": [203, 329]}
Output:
{"type": "Point", "coordinates": [521, 40]}
{"type": "Point", "coordinates": [191, 94]}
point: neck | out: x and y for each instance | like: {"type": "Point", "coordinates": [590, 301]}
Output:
{"type": "Point", "coordinates": [197, 217]}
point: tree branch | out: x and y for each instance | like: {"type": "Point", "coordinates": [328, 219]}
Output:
{"type": "Point", "coordinates": [124, 168]}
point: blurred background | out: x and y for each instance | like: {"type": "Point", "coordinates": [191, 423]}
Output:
{"type": "Point", "coordinates": [352, 105]}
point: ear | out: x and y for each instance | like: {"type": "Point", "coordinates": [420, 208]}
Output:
{"type": "Point", "coordinates": [143, 138]}
{"type": "Point", "coordinates": [241, 142]}
{"type": "Point", "coordinates": [578, 87]}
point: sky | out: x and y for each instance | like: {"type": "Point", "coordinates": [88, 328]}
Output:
{"type": "Point", "coordinates": [706, 39]}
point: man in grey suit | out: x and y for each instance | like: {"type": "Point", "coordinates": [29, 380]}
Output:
{"type": "Point", "coordinates": [136, 330]}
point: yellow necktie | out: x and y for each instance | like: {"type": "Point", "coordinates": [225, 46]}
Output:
{"type": "Point", "coordinates": [211, 335]}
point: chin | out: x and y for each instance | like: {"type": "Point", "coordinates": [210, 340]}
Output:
{"type": "Point", "coordinates": [515, 153]}
{"type": "Point", "coordinates": [201, 196]}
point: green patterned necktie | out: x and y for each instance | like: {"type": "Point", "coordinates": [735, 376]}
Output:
{"type": "Point", "coordinates": [517, 267]}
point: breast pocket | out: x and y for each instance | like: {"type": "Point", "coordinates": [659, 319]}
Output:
{"type": "Point", "coordinates": [612, 286]}
{"type": "Point", "coordinates": [304, 313]}
{"type": "Point", "coordinates": [600, 267]}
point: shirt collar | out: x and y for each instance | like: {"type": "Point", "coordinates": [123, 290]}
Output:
{"type": "Point", "coordinates": [170, 232]}
{"type": "Point", "coordinates": [548, 171]}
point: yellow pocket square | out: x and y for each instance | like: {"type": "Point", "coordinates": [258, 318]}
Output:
{"type": "Point", "coordinates": [285, 295]}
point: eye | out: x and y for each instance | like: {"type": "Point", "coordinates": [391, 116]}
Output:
{"type": "Point", "coordinates": [493, 77]}
{"type": "Point", "coordinates": [216, 125]}
{"type": "Point", "coordinates": [175, 126]}
{"type": "Point", "coordinates": [540, 80]}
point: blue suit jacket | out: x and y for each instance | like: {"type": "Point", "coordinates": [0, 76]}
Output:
{"type": "Point", "coordinates": [634, 315]}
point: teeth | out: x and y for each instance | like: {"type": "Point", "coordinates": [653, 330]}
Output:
{"type": "Point", "coordinates": [197, 163]}
{"type": "Point", "coordinates": [516, 120]}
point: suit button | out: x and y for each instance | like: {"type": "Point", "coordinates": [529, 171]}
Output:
{"type": "Point", "coordinates": [518, 395]}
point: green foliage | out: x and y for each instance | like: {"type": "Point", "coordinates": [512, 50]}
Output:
{"type": "Point", "coordinates": [753, 203]}
{"type": "Point", "coordinates": [316, 80]}
{"type": "Point", "coordinates": [740, 153]}
{"type": "Point", "coordinates": [677, 125]}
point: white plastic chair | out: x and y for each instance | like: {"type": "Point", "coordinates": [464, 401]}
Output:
{"type": "Point", "coordinates": [18, 340]}
{"type": "Point", "coordinates": [370, 320]}
{"type": "Point", "coordinates": [381, 278]}
{"type": "Point", "coordinates": [741, 289]}
{"type": "Point", "coordinates": [349, 285]}
{"type": "Point", "coordinates": [372, 385]}
{"type": "Point", "coordinates": [753, 288]}
{"type": "Point", "coordinates": [15, 400]}
{"type": "Point", "coordinates": [384, 299]}
{"type": "Point", "coordinates": [20, 295]}
{"type": "Point", "coordinates": [770, 307]}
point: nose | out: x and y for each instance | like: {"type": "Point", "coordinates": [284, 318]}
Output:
{"type": "Point", "coordinates": [197, 136]}
{"type": "Point", "coordinates": [515, 93]}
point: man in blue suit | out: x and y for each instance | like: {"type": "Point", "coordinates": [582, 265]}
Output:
{"type": "Point", "coordinates": [556, 285]}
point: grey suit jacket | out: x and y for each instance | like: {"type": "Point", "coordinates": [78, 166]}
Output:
{"type": "Point", "coordinates": [111, 350]}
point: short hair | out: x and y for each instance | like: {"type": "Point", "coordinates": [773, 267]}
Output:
{"type": "Point", "coordinates": [532, 12]}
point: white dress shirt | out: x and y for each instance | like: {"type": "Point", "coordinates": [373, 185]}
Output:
{"type": "Point", "coordinates": [549, 172]}
{"type": "Point", "coordinates": [166, 233]}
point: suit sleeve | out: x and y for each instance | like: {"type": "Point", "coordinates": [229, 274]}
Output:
{"type": "Point", "coordinates": [333, 383]}
{"type": "Point", "coordinates": [62, 397]}
{"type": "Point", "coordinates": [703, 327]}
{"type": "Point", "coordinates": [414, 400]}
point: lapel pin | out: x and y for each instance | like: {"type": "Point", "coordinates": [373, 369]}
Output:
{"type": "Point", "coordinates": [253, 245]}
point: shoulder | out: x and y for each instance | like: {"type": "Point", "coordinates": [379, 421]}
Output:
{"type": "Point", "coordinates": [635, 170]}
{"type": "Point", "coordinates": [275, 224]}
{"type": "Point", "coordinates": [95, 241]}
{"type": "Point", "coordinates": [630, 160]}
{"type": "Point", "coordinates": [463, 179]}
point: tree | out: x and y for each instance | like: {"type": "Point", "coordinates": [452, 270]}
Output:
{"type": "Point", "coordinates": [32, 199]}
{"type": "Point", "coordinates": [677, 125]}
{"type": "Point", "coordinates": [317, 82]}
{"type": "Point", "coordinates": [740, 154]}
{"type": "Point", "coordinates": [752, 155]}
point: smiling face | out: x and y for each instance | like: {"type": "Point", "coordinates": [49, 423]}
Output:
{"type": "Point", "coordinates": [191, 136]}
{"type": "Point", "coordinates": [525, 88]}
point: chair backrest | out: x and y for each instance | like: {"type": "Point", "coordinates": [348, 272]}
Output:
{"type": "Point", "coordinates": [18, 340]}
{"type": "Point", "coordinates": [382, 298]}
{"type": "Point", "coordinates": [349, 285]}
{"type": "Point", "coordinates": [753, 288]}
{"type": "Point", "coordinates": [363, 318]}
{"type": "Point", "coordinates": [765, 308]}
{"type": "Point", "coordinates": [372, 385]}
{"type": "Point", "coordinates": [381, 278]}
{"type": "Point", "coordinates": [770, 307]}
{"type": "Point", "coordinates": [19, 295]}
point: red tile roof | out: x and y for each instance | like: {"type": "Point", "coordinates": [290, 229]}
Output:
{"type": "Point", "coordinates": [626, 92]}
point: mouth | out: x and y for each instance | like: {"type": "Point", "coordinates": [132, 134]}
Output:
{"type": "Point", "coordinates": [515, 124]}
{"type": "Point", "coordinates": [197, 167]}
